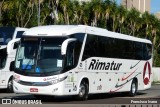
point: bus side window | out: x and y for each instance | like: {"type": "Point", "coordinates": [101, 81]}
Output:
{"type": "Point", "coordinates": [91, 47]}
{"type": "Point", "coordinates": [78, 46]}
{"type": "Point", "coordinates": [69, 63]}
{"type": "Point", "coordinates": [72, 55]}
{"type": "Point", "coordinates": [77, 50]}
{"type": "Point", "coordinates": [147, 51]}
{"type": "Point", "coordinates": [139, 50]}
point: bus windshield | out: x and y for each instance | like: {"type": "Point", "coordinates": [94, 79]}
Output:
{"type": "Point", "coordinates": [6, 34]}
{"type": "Point", "coordinates": [39, 56]}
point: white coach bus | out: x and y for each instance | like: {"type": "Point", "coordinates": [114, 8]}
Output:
{"type": "Point", "coordinates": [80, 60]}
{"type": "Point", "coordinates": [7, 34]}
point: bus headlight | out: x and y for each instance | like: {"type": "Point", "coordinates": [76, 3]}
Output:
{"type": "Point", "coordinates": [16, 78]}
{"type": "Point", "coordinates": [53, 82]}
{"type": "Point", "coordinates": [57, 80]}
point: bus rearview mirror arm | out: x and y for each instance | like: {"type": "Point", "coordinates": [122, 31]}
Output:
{"type": "Point", "coordinates": [65, 44]}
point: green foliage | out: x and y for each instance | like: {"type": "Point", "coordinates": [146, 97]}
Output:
{"type": "Point", "coordinates": [101, 13]}
{"type": "Point", "coordinates": [156, 82]}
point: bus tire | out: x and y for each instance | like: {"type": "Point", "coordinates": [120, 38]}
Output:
{"type": "Point", "coordinates": [133, 90]}
{"type": "Point", "coordinates": [10, 86]}
{"type": "Point", "coordinates": [83, 91]}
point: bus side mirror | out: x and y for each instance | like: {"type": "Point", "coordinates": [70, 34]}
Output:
{"type": "Point", "coordinates": [10, 45]}
{"type": "Point", "coordinates": [11, 68]}
{"type": "Point", "coordinates": [65, 45]}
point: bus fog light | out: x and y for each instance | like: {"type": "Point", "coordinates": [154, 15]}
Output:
{"type": "Point", "coordinates": [55, 89]}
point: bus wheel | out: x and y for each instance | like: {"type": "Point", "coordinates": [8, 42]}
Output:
{"type": "Point", "coordinates": [133, 90]}
{"type": "Point", "coordinates": [10, 86]}
{"type": "Point", "coordinates": [83, 91]}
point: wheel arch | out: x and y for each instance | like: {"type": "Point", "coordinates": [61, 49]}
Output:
{"type": "Point", "coordinates": [136, 80]}
{"type": "Point", "coordinates": [10, 89]}
{"type": "Point", "coordinates": [85, 79]}
{"type": "Point", "coordinates": [11, 77]}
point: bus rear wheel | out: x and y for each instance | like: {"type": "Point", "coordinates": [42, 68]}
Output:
{"type": "Point", "coordinates": [83, 91]}
{"type": "Point", "coordinates": [133, 90]}
{"type": "Point", "coordinates": [10, 86]}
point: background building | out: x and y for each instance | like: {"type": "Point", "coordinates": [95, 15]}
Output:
{"type": "Point", "coordinates": [141, 5]}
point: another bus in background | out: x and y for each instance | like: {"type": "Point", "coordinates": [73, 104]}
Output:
{"type": "Point", "coordinates": [7, 34]}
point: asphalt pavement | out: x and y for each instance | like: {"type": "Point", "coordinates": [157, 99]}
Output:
{"type": "Point", "coordinates": [150, 98]}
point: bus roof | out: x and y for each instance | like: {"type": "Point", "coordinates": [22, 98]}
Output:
{"type": "Point", "coordinates": [64, 30]}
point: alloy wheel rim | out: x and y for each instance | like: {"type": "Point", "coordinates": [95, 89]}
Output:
{"type": "Point", "coordinates": [133, 88]}
{"type": "Point", "coordinates": [10, 85]}
{"type": "Point", "coordinates": [82, 90]}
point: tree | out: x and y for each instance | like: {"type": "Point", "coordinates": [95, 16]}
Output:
{"type": "Point", "coordinates": [132, 17]}
{"type": "Point", "coordinates": [122, 14]}
{"type": "Point", "coordinates": [17, 12]}
{"type": "Point", "coordinates": [114, 16]}
{"type": "Point", "coordinates": [96, 11]}
{"type": "Point", "coordinates": [146, 23]}
{"type": "Point", "coordinates": [86, 14]}
{"type": "Point", "coordinates": [1, 3]}
{"type": "Point", "coordinates": [64, 5]}
{"type": "Point", "coordinates": [107, 10]}
{"type": "Point", "coordinates": [53, 11]}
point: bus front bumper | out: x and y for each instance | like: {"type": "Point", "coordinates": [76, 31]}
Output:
{"type": "Point", "coordinates": [39, 90]}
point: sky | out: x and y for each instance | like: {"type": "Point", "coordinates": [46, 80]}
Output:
{"type": "Point", "coordinates": [155, 5]}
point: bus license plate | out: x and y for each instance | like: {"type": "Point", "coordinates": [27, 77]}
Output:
{"type": "Point", "coordinates": [33, 89]}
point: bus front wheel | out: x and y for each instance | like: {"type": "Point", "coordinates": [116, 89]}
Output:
{"type": "Point", "coordinates": [83, 91]}
{"type": "Point", "coordinates": [10, 86]}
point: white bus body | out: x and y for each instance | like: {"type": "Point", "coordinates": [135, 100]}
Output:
{"type": "Point", "coordinates": [81, 60]}
{"type": "Point", "coordinates": [7, 34]}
